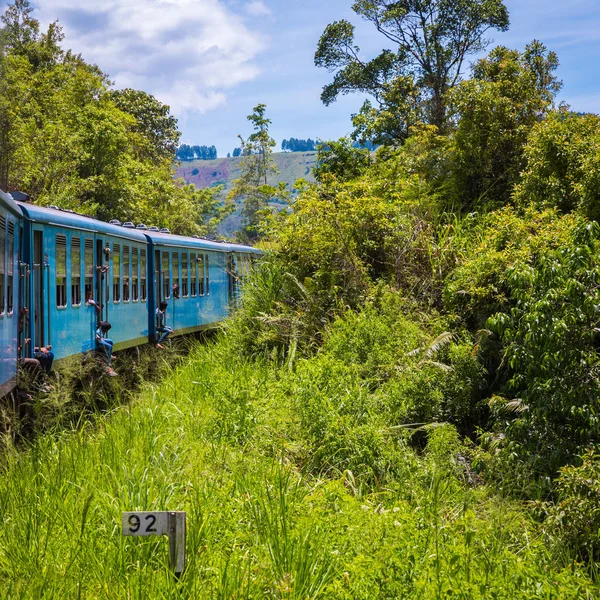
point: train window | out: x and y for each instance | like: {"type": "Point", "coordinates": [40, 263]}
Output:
{"type": "Point", "coordinates": [125, 273]}
{"type": "Point", "coordinates": [193, 274]}
{"type": "Point", "coordinates": [207, 270]}
{"type": "Point", "coordinates": [2, 264]}
{"type": "Point", "coordinates": [61, 270]}
{"type": "Point", "coordinates": [76, 271]}
{"type": "Point", "coordinates": [184, 275]}
{"type": "Point", "coordinates": [166, 275]}
{"type": "Point", "coordinates": [201, 274]}
{"type": "Point", "coordinates": [134, 274]}
{"type": "Point", "coordinates": [9, 271]}
{"type": "Point", "coordinates": [88, 268]}
{"type": "Point", "coordinates": [176, 287]}
{"type": "Point", "coordinates": [143, 274]}
{"type": "Point", "coordinates": [116, 273]}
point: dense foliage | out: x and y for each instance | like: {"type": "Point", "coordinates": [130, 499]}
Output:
{"type": "Point", "coordinates": [66, 139]}
{"type": "Point", "coordinates": [418, 351]}
{"type": "Point", "coordinates": [452, 278]}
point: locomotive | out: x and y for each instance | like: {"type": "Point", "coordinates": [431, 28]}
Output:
{"type": "Point", "coordinates": [62, 273]}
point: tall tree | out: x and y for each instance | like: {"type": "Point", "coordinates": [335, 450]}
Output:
{"type": "Point", "coordinates": [431, 40]}
{"type": "Point", "coordinates": [154, 121]}
{"type": "Point", "coordinates": [252, 187]}
{"type": "Point", "coordinates": [497, 108]}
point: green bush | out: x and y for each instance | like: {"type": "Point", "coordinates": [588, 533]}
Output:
{"type": "Point", "coordinates": [551, 338]}
{"type": "Point", "coordinates": [478, 286]}
{"type": "Point", "coordinates": [377, 339]}
{"type": "Point", "coordinates": [279, 315]}
{"type": "Point", "coordinates": [441, 386]}
{"type": "Point", "coordinates": [563, 165]}
{"type": "Point", "coordinates": [574, 520]}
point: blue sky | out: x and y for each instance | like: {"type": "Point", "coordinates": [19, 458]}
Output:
{"type": "Point", "coordinates": [212, 61]}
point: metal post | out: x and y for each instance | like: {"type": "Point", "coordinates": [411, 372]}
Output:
{"type": "Point", "coordinates": [177, 542]}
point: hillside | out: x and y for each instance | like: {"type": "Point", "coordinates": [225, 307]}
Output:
{"type": "Point", "coordinates": [223, 171]}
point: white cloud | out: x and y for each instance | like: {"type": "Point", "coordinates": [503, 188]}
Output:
{"type": "Point", "coordinates": [257, 8]}
{"type": "Point", "coordinates": [188, 53]}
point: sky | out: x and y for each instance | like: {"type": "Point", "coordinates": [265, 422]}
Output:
{"type": "Point", "coordinates": [212, 61]}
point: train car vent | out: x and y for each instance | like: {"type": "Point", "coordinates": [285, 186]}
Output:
{"type": "Point", "coordinates": [129, 225]}
{"type": "Point", "coordinates": [153, 228]}
{"type": "Point", "coordinates": [165, 230]}
{"type": "Point", "coordinates": [20, 196]}
{"type": "Point", "coordinates": [114, 222]}
{"type": "Point", "coordinates": [142, 226]}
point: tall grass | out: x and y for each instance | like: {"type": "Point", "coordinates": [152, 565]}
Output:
{"type": "Point", "coordinates": [222, 439]}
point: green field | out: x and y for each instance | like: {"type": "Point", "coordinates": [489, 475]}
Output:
{"type": "Point", "coordinates": [276, 506]}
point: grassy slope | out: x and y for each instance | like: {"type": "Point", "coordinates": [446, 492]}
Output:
{"type": "Point", "coordinates": [222, 171]}
{"type": "Point", "coordinates": [221, 439]}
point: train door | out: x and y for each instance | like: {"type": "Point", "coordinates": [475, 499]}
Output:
{"type": "Point", "coordinates": [102, 296]}
{"type": "Point", "coordinates": [41, 293]}
{"type": "Point", "coordinates": [232, 277]}
{"type": "Point", "coordinates": [157, 277]}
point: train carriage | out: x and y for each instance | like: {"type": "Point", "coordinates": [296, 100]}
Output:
{"type": "Point", "coordinates": [194, 277]}
{"type": "Point", "coordinates": [62, 273]}
{"type": "Point", "coordinates": [73, 259]}
{"type": "Point", "coordinates": [10, 235]}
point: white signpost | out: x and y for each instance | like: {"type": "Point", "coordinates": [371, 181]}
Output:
{"type": "Point", "coordinates": [171, 524]}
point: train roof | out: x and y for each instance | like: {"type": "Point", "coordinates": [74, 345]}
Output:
{"type": "Point", "coordinates": [7, 201]}
{"type": "Point", "coordinates": [72, 220]}
{"type": "Point", "coordinates": [173, 240]}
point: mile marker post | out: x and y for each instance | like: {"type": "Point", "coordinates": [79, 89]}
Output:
{"type": "Point", "coordinates": [177, 542]}
{"type": "Point", "coordinates": [171, 524]}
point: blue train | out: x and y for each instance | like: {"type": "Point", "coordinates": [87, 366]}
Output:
{"type": "Point", "coordinates": [61, 273]}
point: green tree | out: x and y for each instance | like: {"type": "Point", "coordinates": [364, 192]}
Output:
{"type": "Point", "coordinates": [256, 166]}
{"type": "Point", "coordinates": [563, 165]}
{"type": "Point", "coordinates": [551, 354]}
{"type": "Point", "coordinates": [497, 108]}
{"type": "Point", "coordinates": [154, 121]}
{"type": "Point", "coordinates": [431, 40]}
{"type": "Point", "coordinates": [340, 159]}
{"type": "Point", "coordinates": [66, 140]}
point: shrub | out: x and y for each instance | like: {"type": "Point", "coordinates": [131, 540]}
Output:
{"type": "Point", "coordinates": [478, 287]}
{"type": "Point", "coordinates": [551, 338]}
{"type": "Point", "coordinates": [574, 519]}
{"type": "Point", "coordinates": [376, 339]}
{"type": "Point", "coordinates": [563, 165]}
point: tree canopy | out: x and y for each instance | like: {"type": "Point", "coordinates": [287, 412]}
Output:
{"type": "Point", "coordinates": [296, 145]}
{"type": "Point", "coordinates": [431, 40]}
{"type": "Point", "coordinates": [186, 152]}
{"type": "Point", "coordinates": [66, 139]}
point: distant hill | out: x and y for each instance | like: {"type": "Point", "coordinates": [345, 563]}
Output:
{"type": "Point", "coordinates": [205, 173]}
{"type": "Point", "coordinates": [222, 171]}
